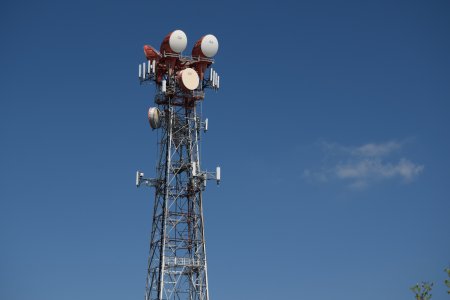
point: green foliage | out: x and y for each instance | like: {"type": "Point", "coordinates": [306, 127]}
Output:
{"type": "Point", "coordinates": [447, 281]}
{"type": "Point", "coordinates": [422, 291]}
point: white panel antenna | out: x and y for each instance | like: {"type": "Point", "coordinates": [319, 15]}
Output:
{"type": "Point", "coordinates": [215, 79]}
{"type": "Point", "coordinates": [194, 169]}
{"type": "Point", "coordinates": [218, 174]}
{"type": "Point", "coordinates": [163, 86]}
{"type": "Point", "coordinates": [139, 176]}
{"type": "Point", "coordinates": [140, 71]}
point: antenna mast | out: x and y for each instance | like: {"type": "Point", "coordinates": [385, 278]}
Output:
{"type": "Point", "coordinates": [177, 267]}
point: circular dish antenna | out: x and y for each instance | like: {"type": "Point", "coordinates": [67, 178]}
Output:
{"type": "Point", "coordinates": [154, 117]}
{"type": "Point", "coordinates": [188, 78]}
{"type": "Point", "coordinates": [174, 42]}
{"type": "Point", "coordinates": [207, 46]}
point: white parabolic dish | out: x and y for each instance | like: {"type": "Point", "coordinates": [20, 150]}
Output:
{"type": "Point", "coordinates": [189, 79]}
{"type": "Point", "coordinates": [153, 117]}
{"type": "Point", "coordinates": [178, 41]}
{"type": "Point", "coordinates": [210, 45]}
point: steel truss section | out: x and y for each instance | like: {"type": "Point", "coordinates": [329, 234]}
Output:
{"type": "Point", "coordinates": [177, 266]}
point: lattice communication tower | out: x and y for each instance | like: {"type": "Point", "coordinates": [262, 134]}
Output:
{"type": "Point", "coordinates": [177, 267]}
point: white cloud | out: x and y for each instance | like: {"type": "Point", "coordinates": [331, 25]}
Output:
{"type": "Point", "coordinates": [364, 165]}
{"type": "Point", "coordinates": [376, 150]}
{"type": "Point", "coordinates": [376, 168]}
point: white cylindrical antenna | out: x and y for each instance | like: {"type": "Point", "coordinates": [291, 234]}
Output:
{"type": "Point", "coordinates": [218, 81]}
{"type": "Point", "coordinates": [206, 125]}
{"type": "Point", "coordinates": [211, 73]}
{"type": "Point", "coordinates": [194, 169]}
{"type": "Point", "coordinates": [163, 86]}
{"type": "Point", "coordinates": [140, 70]}
{"type": "Point", "coordinates": [154, 66]}
{"type": "Point", "coordinates": [149, 67]}
{"type": "Point", "coordinates": [143, 71]}
{"type": "Point", "coordinates": [218, 174]}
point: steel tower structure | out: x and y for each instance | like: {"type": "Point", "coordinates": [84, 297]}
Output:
{"type": "Point", "coordinates": [177, 267]}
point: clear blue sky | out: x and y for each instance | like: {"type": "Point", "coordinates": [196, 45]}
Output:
{"type": "Point", "coordinates": [331, 127]}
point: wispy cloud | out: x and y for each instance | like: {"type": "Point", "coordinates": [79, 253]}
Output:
{"type": "Point", "coordinates": [360, 166]}
{"type": "Point", "coordinates": [376, 168]}
{"type": "Point", "coordinates": [376, 150]}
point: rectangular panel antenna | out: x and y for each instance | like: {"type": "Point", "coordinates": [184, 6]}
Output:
{"type": "Point", "coordinates": [194, 168]}
{"type": "Point", "coordinates": [218, 174]}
